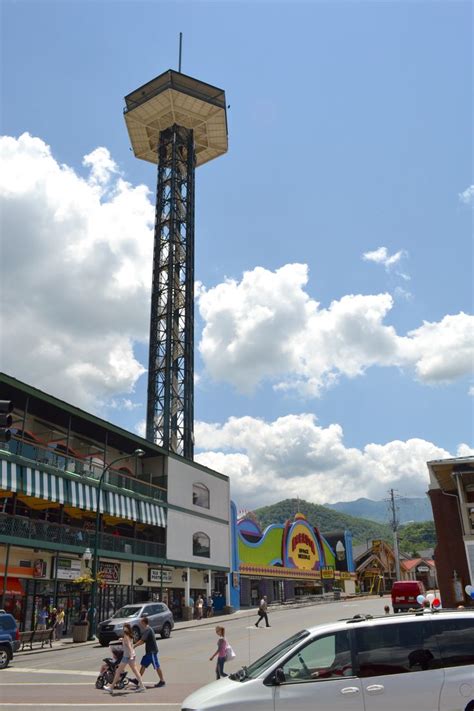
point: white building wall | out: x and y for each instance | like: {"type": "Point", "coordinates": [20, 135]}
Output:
{"type": "Point", "coordinates": [182, 476]}
{"type": "Point", "coordinates": [182, 526]}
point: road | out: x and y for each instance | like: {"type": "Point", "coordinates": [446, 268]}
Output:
{"type": "Point", "coordinates": [64, 677]}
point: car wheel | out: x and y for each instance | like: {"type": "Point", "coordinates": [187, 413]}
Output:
{"type": "Point", "coordinates": [136, 634]}
{"type": "Point", "coordinates": [4, 658]}
{"type": "Point", "coordinates": [166, 630]}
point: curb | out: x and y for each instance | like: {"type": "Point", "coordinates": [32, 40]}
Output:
{"type": "Point", "coordinates": [189, 624]}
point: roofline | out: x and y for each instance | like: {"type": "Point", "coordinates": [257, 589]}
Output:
{"type": "Point", "coordinates": [78, 412]}
{"type": "Point", "coordinates": [454, 460]}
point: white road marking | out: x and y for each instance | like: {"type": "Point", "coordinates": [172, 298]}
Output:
{"type": "Point", "coordinates": [31, 670]}
{"type": "Point", "coordinates": [46, 683]}
{"type": "Point", "coordinates": [95, 705]}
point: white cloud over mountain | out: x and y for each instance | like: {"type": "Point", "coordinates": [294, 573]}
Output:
{"type": "Point", "coordinates": [267, 327]}
{"type": "Point", "coordinates": [295, 457]}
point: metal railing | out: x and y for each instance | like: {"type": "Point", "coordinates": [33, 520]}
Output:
{"type": "Point", "coordinates": [117, 478]}
{"type": "Point", "coordinates": [60, 534]}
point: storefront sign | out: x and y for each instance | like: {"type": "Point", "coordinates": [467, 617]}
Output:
{"type": "Point", "coordinates": [39, 568]}
{"type": "Point", "coordinates": [376, 546]}
{"type": "Point", "coordinates": [109, 572]}
{"type": "Point", "coordinates": [345, 575]}
{"type": "Point", "coordinates": [235, 581]}
{"type": "Point", "coordinates": [302, 549]}
{"type": "Point", "coordinates": [327, 573]}
{"type": "Point", "coordinates": [154, 575]}
{"type": "Point", "coordinates": [68, 568]}
{"type": "Point", "coordinates": [423, 569]}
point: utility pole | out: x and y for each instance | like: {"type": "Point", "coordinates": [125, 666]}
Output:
{"type": "Point", "coordinates": [394, 524]}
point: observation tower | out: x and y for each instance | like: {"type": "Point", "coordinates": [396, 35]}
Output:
{"type": "Point", "coordinates": [178, 123]}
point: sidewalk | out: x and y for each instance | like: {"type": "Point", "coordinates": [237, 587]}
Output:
{"type": "Point", "coordinates": [67, 642]}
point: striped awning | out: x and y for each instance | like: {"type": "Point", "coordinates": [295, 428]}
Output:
{"type": "Point", "coordinates": [122, 506]}
{"type": "Point", "coordinates": [43, 485]}
{"type": "Point", "coordinates": [84, 496]}
{"type": "Point", "coordinates": [9, 480]}
{"type": "Point", "coordinates": [152, 514]}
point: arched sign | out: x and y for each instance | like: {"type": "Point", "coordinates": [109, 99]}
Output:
{"type": "Point", "coordinates": [301, 547]}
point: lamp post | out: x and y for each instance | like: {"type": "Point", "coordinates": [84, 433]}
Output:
{"type": "Point", "coordinates": [95, 566]}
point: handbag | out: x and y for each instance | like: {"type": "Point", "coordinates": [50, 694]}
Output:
{"type": "Point", "coordinates": [229, 653]}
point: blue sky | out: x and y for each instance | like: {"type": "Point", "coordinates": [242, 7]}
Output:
{"type": "Point", "coordinates": [350, 129]}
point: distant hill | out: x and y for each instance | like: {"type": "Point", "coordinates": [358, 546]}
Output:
{"type": "Point", "coordinates": [325, 519]}
{"type": "Point", "coordinates": [409, 509]}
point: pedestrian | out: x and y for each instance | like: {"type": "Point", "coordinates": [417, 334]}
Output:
{"type": "Point", "coordinates": [262, 611]}
{"type": "Point", "coordinates": [83, 614]}
{"type": "Point", "coordinates": [59, 624]}
{"type": "Point", "coordinates": [148, 638]}
{"type": "Point", "coordinates": [42, 619]}
{"type": "Point", "coordinates": [199, 607]}
{"type": "Point", "coordinates": [210, 604]}
{"type": "Point", "coordinates": [53, 619]}
{"type": "Point", "coordinates": [129, 657]}
{"type": "Point", "coordinates": [221, 652]}
{"type": "Point", "coordinates": [386, 609]}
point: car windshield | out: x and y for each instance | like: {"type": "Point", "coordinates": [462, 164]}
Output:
{"type": "Point", "coordinates": [128, 611]}
{"type": "Point", "coordinates": [261, 665]}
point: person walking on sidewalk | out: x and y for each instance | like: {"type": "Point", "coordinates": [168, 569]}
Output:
{"type": "Point", "coordinates": [59, 624]}
{"type": "Point", "coordinates": [148, 638]}
{"type": "Point", "coordinates": [129, 657]}
{"type": "Point", "coordinates": [221, 652]}
{"type": "Point", "coordinates": [262, 612]}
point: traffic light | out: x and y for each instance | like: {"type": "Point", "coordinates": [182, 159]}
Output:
{"type": "Point", "coordinates": [6, 407]}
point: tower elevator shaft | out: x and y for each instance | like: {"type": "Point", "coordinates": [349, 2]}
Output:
{"type": "Point", "coordinates": [170, 398]}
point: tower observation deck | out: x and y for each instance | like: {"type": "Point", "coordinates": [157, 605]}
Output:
{"type": "Point", "coordinates": [178, 123]}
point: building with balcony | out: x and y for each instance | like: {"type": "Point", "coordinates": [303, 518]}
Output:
{"type": "Point", "coordinates": [163, 521]}
{"type": "Point", "coordinates": [452, 499]}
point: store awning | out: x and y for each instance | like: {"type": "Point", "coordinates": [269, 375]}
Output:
{"type": "Point", "coordinates": [122, 506]}
{"type": "Point", "coordinates": [9, 476]}
{"type": "Point", "coordinates": [84, 496]}
{"type": "Point", "coordinates": [14, 586]}
{"type": "Point", "coordinates": [152, 514]}
{"type": "Point", "coordinates": [44, 485]}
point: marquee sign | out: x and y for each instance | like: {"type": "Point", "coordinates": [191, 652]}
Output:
{"type": "Point", "coordinates": [302, 550]}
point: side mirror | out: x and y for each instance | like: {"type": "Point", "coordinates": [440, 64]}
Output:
{"type": "Point", "coordinates": [280, 677]}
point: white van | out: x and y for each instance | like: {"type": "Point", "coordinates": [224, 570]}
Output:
{"type": "Point", "coordinates": [415, 661]}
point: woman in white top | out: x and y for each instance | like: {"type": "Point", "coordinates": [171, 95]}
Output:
{"type": "Point", "coordinates": [129, 657]}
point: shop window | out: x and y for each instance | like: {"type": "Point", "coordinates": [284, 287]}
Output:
{"type": "Point", "coordinates": [201, 545]}
{"type": "Point", "coordinates": [200, 495]}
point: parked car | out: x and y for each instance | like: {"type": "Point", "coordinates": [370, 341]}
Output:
{"type": "Point", "coordinates": [404, 594]}
{"type": "Point", "coordinates": [159, 616]}
{"type": "Point", "coordinates": [9, 638]}
{"type": "Point", "coordinates": [420, 660]}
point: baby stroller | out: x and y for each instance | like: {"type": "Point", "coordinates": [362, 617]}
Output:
{"type": "Point", "coordinates": [108, 669]}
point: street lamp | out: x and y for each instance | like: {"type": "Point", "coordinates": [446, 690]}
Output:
{"type": "Point", "coordinates": [92, 615]}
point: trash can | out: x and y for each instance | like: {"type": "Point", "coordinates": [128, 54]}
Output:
{"type": "Point", "coordinates": [80, 632]}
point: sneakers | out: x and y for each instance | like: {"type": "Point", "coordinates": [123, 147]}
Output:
{"type": "Point", "coordinates": [160, 684]}
{"type": "Point", "coordinates": [109, 690]}
{"type": "Point", "coordinates": [133, 681]}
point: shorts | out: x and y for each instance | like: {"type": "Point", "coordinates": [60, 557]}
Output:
{"type": "Point", "coordinates": [150, 658]}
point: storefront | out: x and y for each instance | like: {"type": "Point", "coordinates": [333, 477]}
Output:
{"type": "Point", "coordinates": [289, 560]}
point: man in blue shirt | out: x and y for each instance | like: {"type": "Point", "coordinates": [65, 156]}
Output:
{"type": "Point", "coordinates": [148, 638]}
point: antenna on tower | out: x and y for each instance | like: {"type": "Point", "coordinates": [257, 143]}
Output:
{"type": "Point", "coordinates": [180, 49]}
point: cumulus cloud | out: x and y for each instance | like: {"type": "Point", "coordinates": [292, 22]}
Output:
{"type": "Point", "coordinates": [467, 196]}
{"type": "Point", "coordinates": [294, 456]}
{"type": "Point", "coordinates": [267, 327]}
{"type": "Point", "coordinates": [76, 272]}
{"type": "Point", "coordinates": [381, 256]}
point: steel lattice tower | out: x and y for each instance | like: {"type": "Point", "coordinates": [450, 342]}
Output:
{"type": "Point", "coordinates": [179, 123]}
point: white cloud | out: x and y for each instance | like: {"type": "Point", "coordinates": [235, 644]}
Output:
{"type": "Point", "coordinates": [381, 256]}
{"type": "Point", "coordinates": [467, 196]}
{"type": "Point", "coordinates": [295, 457]}
{"type": "Point", "coordinates": [267, 327]}
{"type": "Point", "coordinates": [140, 428]}
{"type": "Point", "coordinates": [76, 273]}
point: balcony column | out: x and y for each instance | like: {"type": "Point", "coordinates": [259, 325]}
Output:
{"type": "Point", "coordinates": [209, 583]}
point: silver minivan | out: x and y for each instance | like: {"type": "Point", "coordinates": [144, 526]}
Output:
{"type": "Point", "coordinates": [421, 661]}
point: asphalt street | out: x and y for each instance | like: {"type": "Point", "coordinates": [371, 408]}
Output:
{"type": "Point", "coordinates": [64, 678]}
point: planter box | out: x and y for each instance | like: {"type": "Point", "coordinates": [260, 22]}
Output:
{"type": "Point", "coordinates": [80, 633]}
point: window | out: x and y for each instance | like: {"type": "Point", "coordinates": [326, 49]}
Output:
{"type": "Point", "coordinates": [201, 495]}
{"type": "Point", "coordinates": [456, 641]}
{"type": "Point", "coordinates": [397, 648]}
{"type": "Point", "coordinates": [326, 657]}
{"type": "Point", "coordinates": [202, 545]}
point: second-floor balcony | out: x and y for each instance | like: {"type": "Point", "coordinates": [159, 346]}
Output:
{"type": "Point", "coordinates": [62, 538]}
